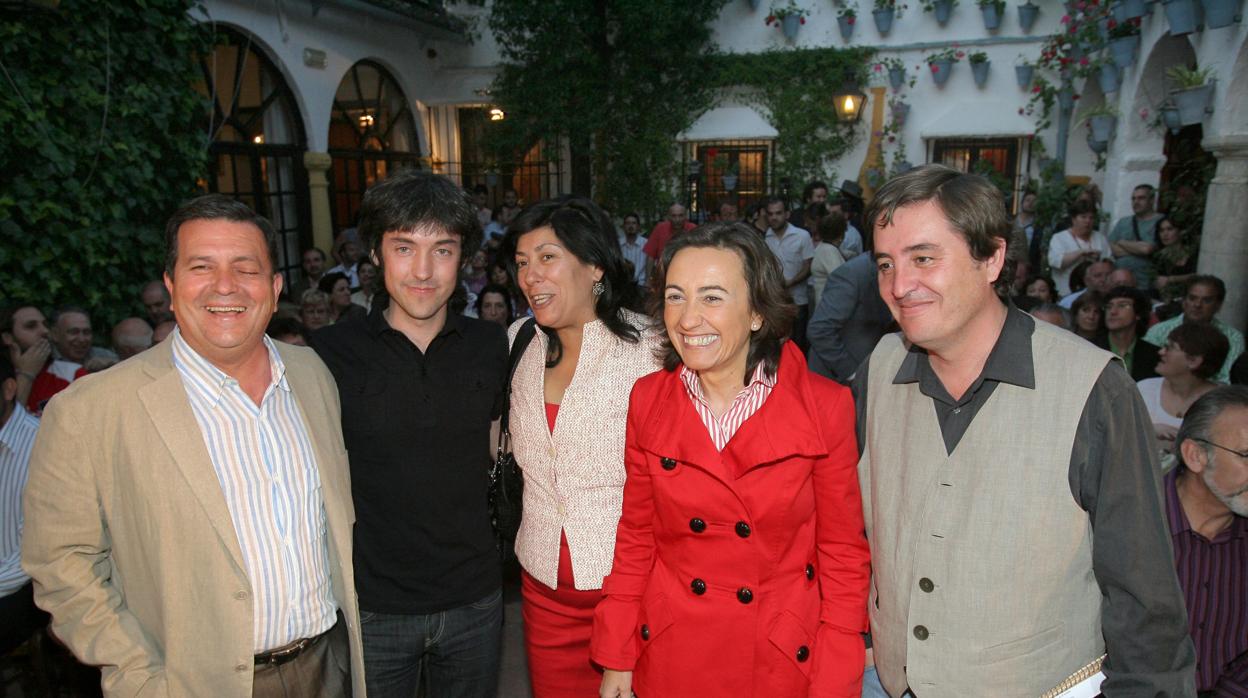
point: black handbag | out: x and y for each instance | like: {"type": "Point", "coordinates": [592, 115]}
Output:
{"type": "Point", "coordinates": [506, 481]}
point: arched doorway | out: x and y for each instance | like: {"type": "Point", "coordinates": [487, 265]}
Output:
{"type": "Point", "coordinates": [372, 132]}
{"type": "Point", "coordinates": [256, 141]}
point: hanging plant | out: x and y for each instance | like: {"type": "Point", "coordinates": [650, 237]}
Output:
{"type": "Point", "coordinates": [1192, 92]}
{"type": "Point", "coordinates": [896, 69]}
{"type": "Point", "coordinates": [788, 18]}
{"type": "Point", "coordinates": [1027, 14]}
{"type": "Point", "coordinates": [941, 63]}
{"type": "Point", "coordinates": [846, 18]}
{"type": "Point", "coordinates": [993, 11]}
{"type": "Point", "coordinates": [885, 12]}
{"type": "Point", "coordinates": [979, 67]}
{"type": "Point", "coordinates": [941, 9]}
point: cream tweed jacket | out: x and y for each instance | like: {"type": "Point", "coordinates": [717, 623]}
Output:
{"type": "Point", "coordinates": [574, 478]}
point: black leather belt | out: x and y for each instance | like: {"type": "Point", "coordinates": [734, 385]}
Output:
{"type": "Point", "coordinates": [287, 653]}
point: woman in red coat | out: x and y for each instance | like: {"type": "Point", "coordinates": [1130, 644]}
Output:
{"type": "Point", "coordinates": [740, 568]}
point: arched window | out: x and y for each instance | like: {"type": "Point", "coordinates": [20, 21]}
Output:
{"type": "Point", "coordinates": [372, 131]}
{"type": "Point", "coordinates": [256, 141]}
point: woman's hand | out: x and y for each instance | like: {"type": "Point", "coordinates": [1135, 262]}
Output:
{"type": "Point", "coordinates": [616, 684]}
{"type": "Point", "coordinates": [32, 360]}
{"type": "Point", "coordinates": [1165, 435]}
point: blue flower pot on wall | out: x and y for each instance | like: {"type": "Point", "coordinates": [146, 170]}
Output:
{"type": "Point", "coordinates": [896, 77]}
{"type": "Point", "coordinates": [1110, 77]}
{"type": "Point", "coordinates": [1024, 73]}
{"type": "Point", "coordinates": [1103, 127]}
{"type": "Point", "coordinates": [790, 24]}
{"type": "Point", "coordinates": [980, 72]}
{"type": "Point", "coordinates": [883, 19]}
{"type": "Point", "coordinates": [992, 17]}
{"type": "Point", "coordinates": [1096, 146]}
{"type": "Point", "coordinates": [941, 70]}
{"type": "Point", "coordinates": [1027, 14]}
{"type": "Point", "coordinates": [846, 25]}
{"type": "Point", "coordinates": [1221, 13]}
{"type": "Point", "coordinates": [1122, 50]}
{"type": "Point", "coordinates": [1181, 15]}
{"type": "Point", "coordinates": [941, 9]}
{"type": "Point", "coordinates": [1129, 9]}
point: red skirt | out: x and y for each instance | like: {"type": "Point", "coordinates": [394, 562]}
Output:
{"type": "Point", "coordinates": [557, 626]}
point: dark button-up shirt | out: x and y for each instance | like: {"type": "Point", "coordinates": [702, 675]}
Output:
{"type": "Point", "coordinates": [1214, 577]}
{"type": "Point", "coordinates": [1114, 477]}
{"type": "Point", "coordinates": [417, 430]}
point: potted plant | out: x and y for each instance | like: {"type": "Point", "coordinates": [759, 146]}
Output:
{"type": "Point", "coordinates": [754, 4]}
{"type": "Point", "coordinates": [900, 110]}
{"type": "Point", "coordinates": [846, 18]}
{"type": "Point", "coordinates": [884, 13]}
{"type": "Point", "coordinates": [1129, 9]}
{"type": "Point", "coordinates": [1191, 91]}
{"type": "Point", "coordinates": [1181, 15]}
{"type": "Point", "coordinates": [979, 66]}
{"type": "Point", "coordinates": [788, 18]}
{"type": "Point", "coordinates": [1027, 14]}
{"type": "Point", "coordinates": [941, 64]}
{"type": "Point", "coordinates": [1124, 39]}
{"type": "Point", "coordinates": [727, 168]}
{"type": "Point", "coordinates": [1170, 117]}
{"type": "Point", "coordinates": [992, 11]}
{"type": "Point", "coordinates": [896, 71]}
{"type": "Point", "coordinates": [1024, 71]}
{"type": "Point", "coordinates": [1101, 120]}
{"type": "Point", "coordinates": [941, 9]}
{"type": "Point", "coordinates": [1109, 75]}
{"type": "Point", "coordinates": [1220, 13]}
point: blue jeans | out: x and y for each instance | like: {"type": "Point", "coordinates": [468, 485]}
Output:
{"type": "Point", "coordinates": [451, 654]}
{"type": "Point", "coordinates": [872, 688]}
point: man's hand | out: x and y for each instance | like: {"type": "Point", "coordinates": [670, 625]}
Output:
{"type": "Point", "coordinates": [616, 684]}
{"type": "Point", "coordinates": [32, 360]}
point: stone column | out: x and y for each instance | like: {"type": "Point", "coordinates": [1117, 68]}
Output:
{"type": "Point", "coordinates": [1224, 240]}
{"type": "Point", "coordinates": [317, 164]}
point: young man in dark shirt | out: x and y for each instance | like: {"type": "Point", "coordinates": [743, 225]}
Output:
{"type": "Point", "coordinates": [420, 386]}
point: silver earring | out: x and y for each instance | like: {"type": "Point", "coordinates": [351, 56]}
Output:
{"type": "Point", "coordinates": [755, 327]}
{"type": "Point", "coordinates": [599, 288]}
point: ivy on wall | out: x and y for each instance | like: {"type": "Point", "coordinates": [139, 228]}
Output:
{"type": "Point", "coordinates": [795, 87]}
{"type": "Point", "coordinates": [99, 112]}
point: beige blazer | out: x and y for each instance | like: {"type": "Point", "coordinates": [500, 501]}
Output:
{"type": "Point", "coordinates": [129, 540]}
{"type": "Point", "coordinates": [574, 478]}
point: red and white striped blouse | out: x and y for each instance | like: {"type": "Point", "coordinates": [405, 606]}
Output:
{"type": "Point", "coordinates": [744, 405]}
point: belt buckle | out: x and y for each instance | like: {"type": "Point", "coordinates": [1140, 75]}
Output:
{"type": "Point", "coordinates": [285, 654]}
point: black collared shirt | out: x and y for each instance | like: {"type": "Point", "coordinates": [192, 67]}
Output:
{"type": "Point", "coordinates": [1115, 477]}
{"type": "Point", "coordinates": [417, 430]}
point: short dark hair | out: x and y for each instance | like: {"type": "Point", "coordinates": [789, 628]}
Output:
{"type": "Point", "coordinates": [773, 199]}
{"type": "Point", "coordinates": [1139, 302]}
{"type": "Point", "coordinates": [584, 229]}
{"type": "Point", "coordinates": [316, 250]}
{"type": "Point", "coordinates": [7, 371]}
{"type": "Point", "coordinates": [480, 189]}
{"type": "Point", "coordinates": [1081, 206]}
{"type": "Point", "coordinates": [1198, 422]}
{"type": "Point", "coordinates": [1088, 298]}
{"type": "Point", "coordinates": [1146, 187]}
{"type": "Point", "coordinates": [973, 206]}
{"type": "Point", "coordinates": [631, 214]}
{"type": "Point", "coordinates": [216, 207]}
{"type": "Point", "coordinates": [1078, 276]}
{"type": "Point", "coordinates": [500, 290]}
{"type": "Point", "coordinates": [832, 228]}
{"type": "Point", "coordinates": [1203, 340]}
{"type": "Point", "coordinates": [1218, 286]}
{"type": "Point", "coordinates": [282, 326]}
{"type": "Point", "coordinates": [67, 309]}
{"type": "Point", "coordinates": [412, 199]}
{"type": "Point", "coordinates": [1047, 281]}
{"type": "Point", "coordinates": [327, 282]}
{"type": "Point", "coordinates": [7, 312]}
{"type": "Point", "coordinates": [764, 277]}
{"type": "Point", "coordinates": [809, 190]}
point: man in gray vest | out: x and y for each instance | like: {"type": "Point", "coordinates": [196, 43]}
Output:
{"type": "Point", "coordinates": [1009, 476]}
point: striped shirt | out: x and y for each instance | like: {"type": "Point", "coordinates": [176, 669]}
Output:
{"type": "Point", "coordinates": [1214, 578]}
{"type": "Point", "coordinates": [17, 437]}
{"type": "Point", "coordinates": [264, 460]}
{"type": "Point", "coordinates": [744, 405]}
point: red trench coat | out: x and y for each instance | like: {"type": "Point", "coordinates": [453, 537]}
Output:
{"type": "Point", "coordinates": [741, 573]}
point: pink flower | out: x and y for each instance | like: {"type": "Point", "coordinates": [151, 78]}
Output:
{"type": "Point", "coordinates": [1035, 90]}
{"type": "Point", "coordinates": [935, 68]}
{"type": "Point", "coordinates": [852, 19]}
{"type": "Point", "coordinates": [1066, 19]}
{"type": "Point", "coordinates": [801, 20]}
{"type": "Point", "coordinates": [1083, 61]}
{"type": "Point", "coordinates": [1144, 113]}
{"type": "Point", "coordinates": [960, 54]}
{"type": "Point", "coordinates": [1020, 111]}
{"type": "Point", "coordinates": [892, 139]}
{"type": "Point", "coordinates": [879, 68]}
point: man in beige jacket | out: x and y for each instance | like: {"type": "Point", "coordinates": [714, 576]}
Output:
{"type": "Point", "coordinates": [188, 512]}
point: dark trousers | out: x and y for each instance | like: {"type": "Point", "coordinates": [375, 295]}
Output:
{"type": "Point", "coordinates": [799, 328]}
{"type": "Point", "coordinates": [19, 618]}
{"type": "Point", "coordinates": [322, 670]}
{"type": "Point", "coordinates": [454, 653]}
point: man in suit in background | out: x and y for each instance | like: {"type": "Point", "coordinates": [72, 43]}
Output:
{"type": "Point", "coordinates": [848, 321]}
{"type": "Point", "coordinates": [188, 512]}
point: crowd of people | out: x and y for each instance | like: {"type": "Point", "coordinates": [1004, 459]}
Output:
{"type": "Point", "coordinates": [903, 447]}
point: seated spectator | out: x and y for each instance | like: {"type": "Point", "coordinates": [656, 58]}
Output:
{"type": "Point", "coordinates": [313, 265]}
{"type": "Point", "coordinates": [155, 299]}
{"type": "Point", "coordinates": [474, 273]}
{"type": "Point", "coordinates": [21, 618]}
{"type": "Point", "coordinates": [314, 309]}
{"type": "Point", "coordinates": [1201, 304]}
{"type": "Point", "coordinates": [1053, 314]}
{"type": "Point", "coordinates": [1080, 243]}
{"type": "Point", "coordinates": [1185, 367]}
{"type": "Point", "coordinates": [1087, 314]}
{"type": "Point", "coordinates": [347, 252]}
{"type": "Point", "coordinates": [1126, 319]}
{"type": "Point", "coordinates": [830, 233]}
{"type": "Point", "coordinates": [131, 336]}
{"type": "Point", "coordinates": [163, 330]}
{"type": "Point", "coordinates": [70, 332]}
{"type": "Point", "coordinates": [1206, 500]}
{"type": "Point", "coordinates": [24, 332]}
{"type": "Point", "coordinates": [494, 305]}
{"type": "Point", "coordinates": [368, 285]}
{"type": "Point", "coordinates": [1042, 289]}
{"type": "Point", "coordinates": [1095, 277]}
{"type": "Point", "coordinates": [287, 329]}
{"type": "Point", "coordinates": [337, 287]}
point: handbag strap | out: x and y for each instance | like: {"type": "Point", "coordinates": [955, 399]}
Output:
{"type": "Point", "coordinates": [523, 338]}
